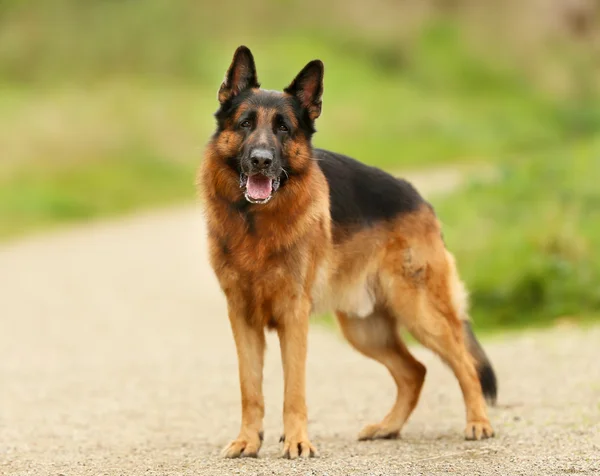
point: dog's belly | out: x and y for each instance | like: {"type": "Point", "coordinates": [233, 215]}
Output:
{"type": "Point", "coordinates": [355, 299]}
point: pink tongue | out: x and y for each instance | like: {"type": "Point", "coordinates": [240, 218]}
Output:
{"type": "Point", "coordinates": [258, 187]}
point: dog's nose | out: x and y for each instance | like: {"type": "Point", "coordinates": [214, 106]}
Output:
{"type": "Point", "coordinates": [261, 158]}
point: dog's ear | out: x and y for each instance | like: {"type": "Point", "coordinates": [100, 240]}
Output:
{"type": "Point", "coordinates": [240, 76]}
{"type": "Point", "coordinates": [307, 87]}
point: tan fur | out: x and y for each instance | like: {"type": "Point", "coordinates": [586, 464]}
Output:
{"type": "Point", "coordinates": [377, 337]}
{"type": "Point", "coordinates": [267, 278]}
{"type": "Point", "coordinates": [287, 258]}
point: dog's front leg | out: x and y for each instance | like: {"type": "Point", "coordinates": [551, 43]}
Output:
{"type": "Point", "coordinates": [250, 345]}
{"type": "Point", "coordinates": [293, 335]}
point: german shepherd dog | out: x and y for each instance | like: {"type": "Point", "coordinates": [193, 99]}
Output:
{"type": "Point", "coordinates": [293, 229]}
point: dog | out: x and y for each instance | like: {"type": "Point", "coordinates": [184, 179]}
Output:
{"type": "Point", "coordinates": [294, 230]}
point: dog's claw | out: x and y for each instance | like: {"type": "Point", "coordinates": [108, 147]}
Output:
{"type": "Point", "coordinates": [298, 448]}
{"type": "Point", "coordinates": [478, 430]}
{"type": "Point", "coordinates": [378, 432]}
{"type": "Point", "coordinates": [246, 446]}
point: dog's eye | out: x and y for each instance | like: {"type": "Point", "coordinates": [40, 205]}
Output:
{"type": "Point", "coordinates": [245, 124]}
{"type": "Point", "coordinates": [283, 128]}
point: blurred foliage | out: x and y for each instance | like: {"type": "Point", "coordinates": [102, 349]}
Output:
{"type": "Point", "coordinates": [105, 107]}
{"type": "Point", "coordinates": [528, 245]}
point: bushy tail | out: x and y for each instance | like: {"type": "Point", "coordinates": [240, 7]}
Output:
{"type": "Point", "coordinates": [487, 377]}
{"type": "Point", "coordinates": [459, 297]}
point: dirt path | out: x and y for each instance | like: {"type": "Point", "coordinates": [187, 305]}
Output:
{"type": "Point", "coordinates": [116, 358]}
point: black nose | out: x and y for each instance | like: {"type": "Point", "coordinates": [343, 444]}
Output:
{"type": "Point", "coordinates": [261, 158]}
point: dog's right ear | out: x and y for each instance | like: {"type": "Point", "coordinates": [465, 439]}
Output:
{"type": "Point", "coordinates": [240, 76]}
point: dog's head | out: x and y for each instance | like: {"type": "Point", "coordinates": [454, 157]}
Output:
{"type": "Point", "coordinates": [264, 136]}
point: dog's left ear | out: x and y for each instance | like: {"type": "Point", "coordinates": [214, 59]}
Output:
{"type": "Point", "coordinates": [240, 76]}
{"type": "Point", "coordinates": [307, 87]}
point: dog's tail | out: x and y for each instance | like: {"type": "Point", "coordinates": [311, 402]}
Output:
{"type": "Point", "coordinates": [486, 374]}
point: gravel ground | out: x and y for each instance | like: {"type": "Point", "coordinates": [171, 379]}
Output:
{"type": "Point", "coordinates": [116, 358]}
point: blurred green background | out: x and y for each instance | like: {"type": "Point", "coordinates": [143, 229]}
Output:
{"type": "Point", "coordinates": [105, 107]}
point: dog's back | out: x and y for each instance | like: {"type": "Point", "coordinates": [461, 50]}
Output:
{"type": "Point", "coordinates": [361, 195]}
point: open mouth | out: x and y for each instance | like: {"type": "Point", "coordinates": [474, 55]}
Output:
{"type": "Point", "coordinates": [258, 187]}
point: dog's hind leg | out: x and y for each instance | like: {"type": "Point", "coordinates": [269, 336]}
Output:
{"type": "Point", "coordinates": [377, 338]}
{"type": "Point", "coordinates": [433, 310]}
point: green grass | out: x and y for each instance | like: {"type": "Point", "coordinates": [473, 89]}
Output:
{"type": "Point", "coordinates": [34, 201]}
{"type": "Point", "coordinates": [79, 151]}
{"type": "Point", "coordinates": [105, 108]}
{"type": "Point", "coordinates": [527, 245]}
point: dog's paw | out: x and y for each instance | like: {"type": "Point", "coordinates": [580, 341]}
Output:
{"type": "Point", "coordinates": [297, 447]}
{"type": "Point", "coordinates": [478, 430]}
{"type": "Point", "coordinates": [378, 431]}
{"type": "Point", "coordinates": [245, 446]}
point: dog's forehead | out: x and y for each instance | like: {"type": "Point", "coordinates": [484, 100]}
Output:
{"type": "Point", "coordinates": [269, 99]}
